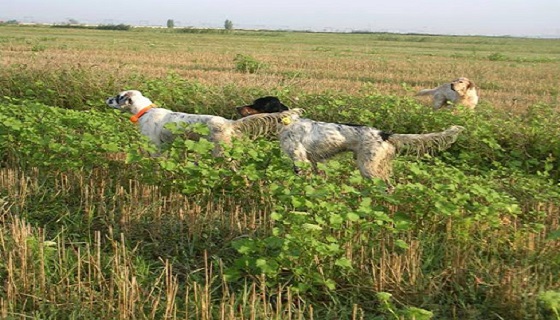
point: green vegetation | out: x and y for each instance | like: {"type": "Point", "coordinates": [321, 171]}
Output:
{"type": "Point", "coordinates": [91, 227]}
{"type": "Point", "coordinates": [248, 64]}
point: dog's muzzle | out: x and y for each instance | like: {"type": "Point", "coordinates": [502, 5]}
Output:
{"type": "Point", "coordinates": [112, 102]}
{"type": "Point", "coordinates": [246, 111]}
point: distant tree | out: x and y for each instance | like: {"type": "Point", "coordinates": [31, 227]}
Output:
{"type": "Point", "coordinates": [12, 22]}
{"type": "Point", "coordinates": [73, 21]}
{"type": "Point", "coordinates": [228, 25]}
{"type": "Point", "coordinates": [121, 27]}
{"type": "Point", "coordinates": [170, 23]}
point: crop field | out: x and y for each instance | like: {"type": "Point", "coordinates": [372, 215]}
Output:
{"type": "Point", "coordinates": [92, 227]}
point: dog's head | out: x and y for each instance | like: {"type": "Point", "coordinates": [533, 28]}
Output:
{"type": "Point", "coordinates": [462, 85]}
{"type": "Point", "coordinates": [125, 100]}
{"type": "Point", "coordinates": [262, 105]}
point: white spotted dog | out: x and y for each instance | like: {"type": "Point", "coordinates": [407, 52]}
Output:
{"type": "Point", "coordinates": [459, 91]}
{"type": "Point", "coordinates": [151, 121]}
{"type": "Point", "coordinates": [312, 141]}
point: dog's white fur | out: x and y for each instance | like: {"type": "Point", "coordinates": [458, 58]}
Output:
{"type": "Point", "coordinates": [459, 91]}
{"type": "Point", "coordinates": [312, 141]}
{"type": "Point", "coordinates": [152, 123]}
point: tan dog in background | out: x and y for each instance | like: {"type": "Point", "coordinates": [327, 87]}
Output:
{"type": "Point", "coordinates": [459, 91]}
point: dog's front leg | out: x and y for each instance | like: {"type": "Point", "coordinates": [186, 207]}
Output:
{"type": "Point", "coordinates": [296, 152]}
{"type": "Point", "coordinates": [439, 101]}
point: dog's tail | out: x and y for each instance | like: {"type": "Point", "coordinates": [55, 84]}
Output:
{"type": "Point", "coordinates": [426, 92]}
{"type": "Point", "coordinates": [425, 143]}
{"type": "Point", "coordinates": [266, 124]}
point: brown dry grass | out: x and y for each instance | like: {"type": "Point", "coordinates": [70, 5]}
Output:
{"type": "Point", "coordinates": [104, 278]}
{"type": "Point", "coordinates": [511, 73]}
{"type": "Point", "coordinates": [101, 279]}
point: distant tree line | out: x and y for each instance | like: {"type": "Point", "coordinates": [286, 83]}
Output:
{"type": "Point", "coordinates": [9, 22]}
{"type": "Point", "coordinates": [120, 27]}
{"type": "Point", "coordinates": [75, 24]}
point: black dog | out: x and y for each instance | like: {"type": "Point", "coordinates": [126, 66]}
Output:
{"type": "Point", "coordinates": [262, 105]}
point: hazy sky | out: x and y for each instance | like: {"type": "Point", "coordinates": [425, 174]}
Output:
{"type": "Point", "coordinates": [480, 17]}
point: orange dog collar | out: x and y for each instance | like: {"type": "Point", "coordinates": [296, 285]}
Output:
{"type": "Point", "coordinates": [140, 113]}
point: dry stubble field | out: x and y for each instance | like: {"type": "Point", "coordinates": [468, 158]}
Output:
{"type": "Point", "coordinates": [512, 73]}
{"type": "Point", "coordinates": [468, 234]}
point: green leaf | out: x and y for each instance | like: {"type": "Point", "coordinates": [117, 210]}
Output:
{"type": "Point", "coordinates": [268, 267]}
{"type": "Point", "coordinates": [335, 219]}
{"type": "Point", "coordinates": [384, 296]}
{"type": "Point", "coordinates": [333, 247]}
{"type": "Point", "coordinates": [274, 242]}
{"type": "Point", "coordinates": [297, 201]}
{"type": "Point", "coordinates": [553, 235]}
{"type": "Point", "coordinates": [244, 246]}
{"type": "Point", "coordinates": [276, 216]}
{"type": "Point", "coordinates": [111, 147]}
{"type": "Point", "coordinates": [310, 226]}
{"type": "Point", "coordinates": [169, 165]}
{"type": "Point", "coordinates": [352, 216]}
{"type": "Point", "coordinates": [401, 244]}
{"type": "Point", "coordinates": [343, 263]}
{"type": "Point", "coordinates": [331, 285]}
{"type": "Point", "coordinates": [365, 206]}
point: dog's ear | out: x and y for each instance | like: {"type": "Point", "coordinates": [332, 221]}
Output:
{"type": "Point", "coordinates": [273, 104]}
{"type": "Point", "coordinates": [268, 104]}
{"type": "Point", "coordinates": [471, 85]}
{"type": "Point", "coordinates": [125, 98]}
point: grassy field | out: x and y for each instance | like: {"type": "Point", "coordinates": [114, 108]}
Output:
{"type": "Point", "coordinates": [92, 228]}
{"type": "Point", "coordinates": [512, 73]}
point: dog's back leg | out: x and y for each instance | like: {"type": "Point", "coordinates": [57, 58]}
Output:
{"type": "Point", "coordinates": [376, 161]}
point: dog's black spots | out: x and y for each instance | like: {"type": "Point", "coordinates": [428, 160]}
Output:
{"type": "Point", "coordinates": [351, 125]}
{"type": "Point", "coordinates": [385, 135]}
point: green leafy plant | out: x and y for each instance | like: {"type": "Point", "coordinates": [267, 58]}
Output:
{"type": "Point", "coordinates": [497, 56]}
{"type": "Point", "coordinates": [387, 307]}
{"type": "Point", "coordinates": [248, 64]}
{"type": "Point", "coordinates": [38, 135]}
{"type": "Point", "coordinates": [549, 302]}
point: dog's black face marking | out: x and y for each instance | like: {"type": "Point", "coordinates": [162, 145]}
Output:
{"type": "Point", "coordinates": [267, 104]}
{"type": "Point", "coordinates": [123, 99]}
